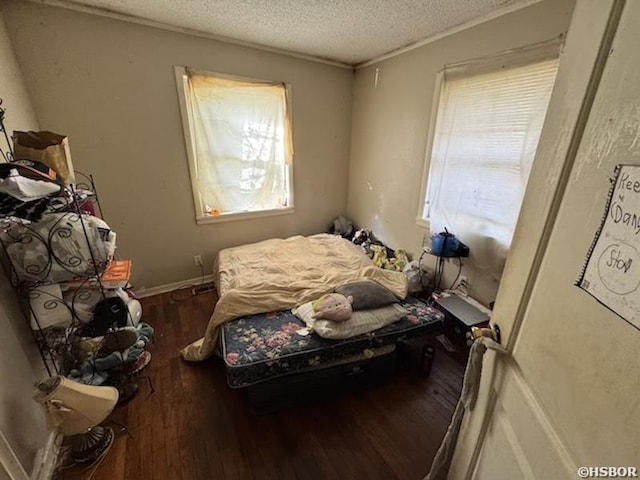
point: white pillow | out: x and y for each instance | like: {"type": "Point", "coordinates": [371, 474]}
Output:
{"type": "Point", "coordinates": [362, 321]}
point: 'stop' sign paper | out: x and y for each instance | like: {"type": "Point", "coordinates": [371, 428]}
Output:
{"type": "Point", "coordinates": [612, 270]}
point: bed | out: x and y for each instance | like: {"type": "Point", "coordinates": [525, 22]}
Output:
{"type": "Point", "coordinates": [269, 351]}
{"type": "Point", "coordinates": [280, 274]}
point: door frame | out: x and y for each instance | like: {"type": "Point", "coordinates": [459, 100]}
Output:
{"type": "Point", "coordinates": [582, 62]}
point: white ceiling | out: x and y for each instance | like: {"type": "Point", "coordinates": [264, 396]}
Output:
{"type": "Point", "coordinates": [345, 31]}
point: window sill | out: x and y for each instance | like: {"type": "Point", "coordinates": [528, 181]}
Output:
{"type": "Point", "coordinates": [232, 217]}
{"type": "Point", "coordinates": [421, 222]}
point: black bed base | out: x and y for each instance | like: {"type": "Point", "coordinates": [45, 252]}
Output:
{"type": "Point", "coordinates": [302, 388]}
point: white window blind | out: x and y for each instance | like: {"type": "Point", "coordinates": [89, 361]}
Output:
{"type": "Point", "coordinates": [486, 134]}
{"type": "Point", "coordinates": [241, 142]}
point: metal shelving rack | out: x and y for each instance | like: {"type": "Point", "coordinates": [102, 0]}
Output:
{"type": "Point", "coordinates": [69, 205]}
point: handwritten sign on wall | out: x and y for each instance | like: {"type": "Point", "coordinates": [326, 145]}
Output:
{"type": "Point", "coordinates": [612, 270]}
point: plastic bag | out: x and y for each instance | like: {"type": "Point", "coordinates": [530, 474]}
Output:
{"type": "Point", "coordinates": [416, 279]}
{"type": "Point", "coordinates": [412, 272]}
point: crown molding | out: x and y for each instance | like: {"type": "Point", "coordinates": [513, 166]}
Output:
{"type": "Point", "coordinates": [450, 31]}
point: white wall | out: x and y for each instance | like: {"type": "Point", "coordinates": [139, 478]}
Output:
{"type": "Point", "coordinates": [390, 124]}
{"type": "Point", "coordinates": [21, 419]}
{"type": "Point", "coordinates": [109, 85]}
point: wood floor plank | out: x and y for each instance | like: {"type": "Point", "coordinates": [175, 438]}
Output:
{"type": "Point", "coordinates": [357, 446]}
{"type": "Point", "coordinates": [195, 427]}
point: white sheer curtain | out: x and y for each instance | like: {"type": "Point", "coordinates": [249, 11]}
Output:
{"type": "Point", "coordinates": [485, 139]}
{"type": "Point", "coordinates": [242, 143]}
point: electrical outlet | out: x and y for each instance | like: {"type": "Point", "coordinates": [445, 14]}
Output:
{"type": "Point", "coordinates": [464, 282]}
{"type": "Point", "coordinates": [203, 289]}
{"type": "Point", "coordinates": [197, 260]}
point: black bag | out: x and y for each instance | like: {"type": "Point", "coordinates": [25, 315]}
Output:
{"type": "Point", "coordinates": [109, 313]}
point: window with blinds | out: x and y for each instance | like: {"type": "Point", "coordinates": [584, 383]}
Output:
{"type": "Point", "coordinates": [484, 142]}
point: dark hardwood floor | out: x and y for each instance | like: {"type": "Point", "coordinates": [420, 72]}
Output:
{"type": "Point", "coordinates": [195, 427]}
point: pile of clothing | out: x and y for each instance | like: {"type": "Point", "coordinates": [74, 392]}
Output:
{"type": "Point", "coordinates": [110, 349]}
{"type": "Point", "coordinates": [382, 256]}
{"type": "Point", "coordinates": [112, 357]}
{"type": "Point", "coordinates": [27, 188]}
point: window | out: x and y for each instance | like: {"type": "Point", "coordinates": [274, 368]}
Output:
{"type": "Point", "coordinates": [239, 145]}
{"type": "Point", "coordinates": [483, 143]}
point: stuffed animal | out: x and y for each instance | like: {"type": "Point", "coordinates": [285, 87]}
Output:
{"type": "Point", "coordinates": [333, 306]}
{"type": "Point", "coordinates": [379, 256]}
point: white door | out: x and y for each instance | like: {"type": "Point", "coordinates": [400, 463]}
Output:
{"type": "Point", "coordinates": [568, 396]}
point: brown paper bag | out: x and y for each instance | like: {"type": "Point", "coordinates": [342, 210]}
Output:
{"type": "Point", "coordinates": [46, 147]}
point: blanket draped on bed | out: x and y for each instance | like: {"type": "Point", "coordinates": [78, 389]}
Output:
{"type": "Point", "coordinates": [280, 274]}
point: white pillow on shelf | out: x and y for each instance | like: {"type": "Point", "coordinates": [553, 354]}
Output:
{"type": "Point", "coordinates": [48, 308]}
{"type": "Point", "coordinates": [362, 321]}
{"type": "Point", "coordinates": [56, 249]}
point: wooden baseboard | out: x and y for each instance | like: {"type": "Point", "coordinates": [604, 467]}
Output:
{"type": "Point", "coordinates": [148, 292]}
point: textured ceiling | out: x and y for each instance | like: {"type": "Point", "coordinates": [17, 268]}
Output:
{"type": "Point", "coordinates": [346, 31]}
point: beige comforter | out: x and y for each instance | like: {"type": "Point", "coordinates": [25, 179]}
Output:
{"type": "Point", "coordinates": [280, 274]}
